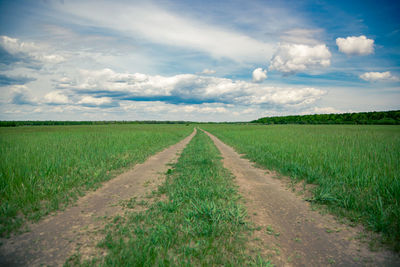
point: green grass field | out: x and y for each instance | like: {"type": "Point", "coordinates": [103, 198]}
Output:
{"type": "Point", "coordinates": [44, 167]}
{"type": "Point", "coordinates": [200, 223]}
{"type": "Point", "coordinates": [356, 168]}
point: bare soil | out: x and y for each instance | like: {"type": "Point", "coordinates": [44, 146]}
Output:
{"type": "Point", "coordinates": [78, 229]}
{"type": "Point", "coordinates": [288, 231]}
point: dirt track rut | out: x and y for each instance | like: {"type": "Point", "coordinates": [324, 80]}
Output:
{"type": "Point", "coordinates": [290, 232]}
{"type": "Point", "coordinates": [51, 241]}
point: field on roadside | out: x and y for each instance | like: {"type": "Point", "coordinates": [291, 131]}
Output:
{"type": "Point", "coordinates": [356, 168]}
{"type": "Point", "coordinates": [196, 218]}
{"type": "Point", "coordinates": [43, 167]}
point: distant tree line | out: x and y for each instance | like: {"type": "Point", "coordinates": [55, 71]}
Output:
{"type": "Point", "coordinates": [376, 117]}
{"type": "Point", "coordinates": [40, 123]}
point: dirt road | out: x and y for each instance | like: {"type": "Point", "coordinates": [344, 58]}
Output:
{"type": "Point", "coordinates": [289, 231]}
{"type": "Point", "coordinates": [51, 241]}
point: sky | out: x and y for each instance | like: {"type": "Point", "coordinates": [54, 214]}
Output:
{"type": "Point", "coordinates": [196, 60]}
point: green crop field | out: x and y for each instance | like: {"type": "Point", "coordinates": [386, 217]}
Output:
{"type": "Point", "coordinates": [43, 167]}
{"type": "Point", "coordinates": [356, 168]}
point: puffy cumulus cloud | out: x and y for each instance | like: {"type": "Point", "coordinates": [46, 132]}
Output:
{"type": "Point", "coordinates": [379, 76]}
{"type": "Point", "coordinates": [21, 95]}
{"type": "Point", "coordinates": [24, 51]}
{"type": "Point", "coordinates": [284, 96]}
{"type": "Point", "coordinates": [353, 45]}
{"type": "Point", "coordinates": [208, 72]}
{"type": "Point", "coordinates": [259, 75]}
{"type": "Point", "coordinates": [186, 89]}
{"type": "Point", "coordinates": [91, 101]}
{"type": "Point", "coordinates": [14, 46]}
{"type": "Point", "coordinates": [292, 58]}
{"type": "Point", "coordinates": [56, 97]}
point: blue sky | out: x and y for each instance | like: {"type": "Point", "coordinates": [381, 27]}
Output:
{"type": "Point", "coordinates": [196, 60]}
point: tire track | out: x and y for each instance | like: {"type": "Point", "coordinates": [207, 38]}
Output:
{"type": "Point", "coordinates": [51, 241]}
{"type": "Point", "coordinates": [291, 233]}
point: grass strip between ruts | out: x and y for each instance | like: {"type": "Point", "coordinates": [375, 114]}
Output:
{"type": "Point", "coordinates": [200, 222]}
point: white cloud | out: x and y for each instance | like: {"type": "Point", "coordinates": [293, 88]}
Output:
{"type": "Point", "coordinates": [56, 97]}
{"type": "Point", "coordinates": [29, 49]}
{"type": "Point", "coordinates": [185, 88]}
{"type": "Point", "coordinates": [259, 75]}
{"type": "Point", "coordinates": [283, 96]}
{"type": "Point", "coordinates": [353, 45]}
{"type": "Point", "coordinates": [95, 101]}
{"type": "Point", "coordinates": [208, 72]}
{"type": "Point", "coordinates": [14, 46]}
{"type": "Point", "coordinates": [379, 76]}
{"type": "Point", "coordinates": [292, 58]}
{"type": "Point", "coordinates": [165, 27]}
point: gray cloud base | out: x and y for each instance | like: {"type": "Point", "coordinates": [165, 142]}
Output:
{"type": "Point", "coordinates": [182, 89]}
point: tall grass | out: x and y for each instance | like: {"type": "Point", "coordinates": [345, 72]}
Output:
{"type": "Point", "coordinates": [201, 223]}
{"type": "Point", "coordinates": [357, 168]}
{"type": "Point", "coordinates": [42, 168]}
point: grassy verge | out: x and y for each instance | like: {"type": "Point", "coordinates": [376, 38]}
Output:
{"type": "Point", "coordinates": [42, 168]}
{"type": "Point", "coordinates": [357, 168]}
{"type": "Point", "coordinates": [201, 222]}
